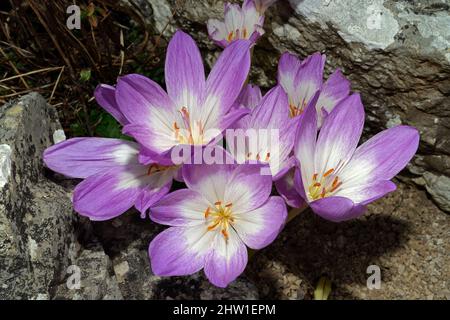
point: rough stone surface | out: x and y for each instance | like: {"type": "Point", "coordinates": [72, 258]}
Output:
{"type": "Point", "coordinates": [36, 220]}
{"type": "Point", "coordinates": [396, 53]}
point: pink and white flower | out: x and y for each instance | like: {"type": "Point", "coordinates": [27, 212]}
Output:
{"type": "Point", "coordinates": [337, 178]}
{"type": "Point", "coordinates": [195, 110]}
{"type": "Point", "coordinates": [302, 79]}
{"type": "Point", "coordinates": [224, 209]}
{"type": "Point", "coordinates": [114, 180]}
{"type": "Point", "coordinates": [240, 23]}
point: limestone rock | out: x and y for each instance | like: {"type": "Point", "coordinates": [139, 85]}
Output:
{"type": "Point", "coordinates": [36, 219]}
{"type": "Point", "coordinates": [396, 53]}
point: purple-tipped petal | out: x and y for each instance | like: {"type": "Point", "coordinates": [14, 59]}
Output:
{"type": "Point", "coordinates": [142, 100]}
{"type": "Point", "coordinates": [227, 260]}
{"type": "Point", "coordinates": [364, 194]}
{"type": "Point", "coordinates": [337, 209]}
{"type": "Point", "coordinates": [288, 67]}
{"type": "Point", "coordinates": [250, 96]}
{"type": "Point", "coordinates": [106, 98]}
{"type": "Point", "coordinates": [272, 111]}
{"type": "Point", "coordinates": [286, 188]}
{"type": "Point", "coordinates": [185, 75]}
{"type": "Point", "coordinates": [226, 79]}
{"type": "Point", "coordinates": [159, 184]}
{"type": "Point", "coordinates": [335, 89]}
{"type": "Point", "coordinates": [232, 118]}
{"type": "Point", "coordinates": [340, 134]}
{"type": "Point", "coordinates": [258, 228]}
{"type": "Point", "coordinates": [247, 189]}
{"type": "Point", "coordinates": [108, 194]}
{"type": "Point", "coordinates": [309, 77]}
{"type": "Point", "coordinates": [305, 143]}
{"type": "Point", "coordinates": [263, 5]}
{"type": "Point", "coordinates": [298, 183]}
{"type": "Point", "coordinates": [180, 208]}
{"type": "Point", "coordinates": [180, 251]}
{"type": "Point", "coordinates": [157, 142]}
{"type": "Point", "coordinates": [382, 156]}
{"type": "Point", "coordinates": [83, 157]}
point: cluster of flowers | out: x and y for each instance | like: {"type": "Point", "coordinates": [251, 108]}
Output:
{"type": "Point", "coordinates": [226, 208]}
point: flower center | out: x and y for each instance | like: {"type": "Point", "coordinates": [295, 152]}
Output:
{"type": "Point", "coordinates": [219, 218]}
{"type": "Point", "coordinates": [296, 110]}
{"type": "Point", "coordinates": [154, 168]}
{"type": "Point", "coordinates": [234, 35]}
{"type": "Point", "coordinates": [193, 133]}
{"type": "Point", "coordinates": [325, 186]}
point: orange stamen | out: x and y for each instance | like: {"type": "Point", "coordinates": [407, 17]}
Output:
{"type": "Point", "coordinates": [207, 212]}
{"type": "Point", "coordinates": [326, 174]}
{"type": "Point", "coordinates": [230, 36]}
{"type": "Point", "coordinates": [225, 234]}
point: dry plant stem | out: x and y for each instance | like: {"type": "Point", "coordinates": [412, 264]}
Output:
{"type": "Point", "coordinates": [294, 212]}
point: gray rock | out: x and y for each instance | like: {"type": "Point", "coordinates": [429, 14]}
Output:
{"type": "Point", "coordinates": [126, 240]}
{"type": "Point", "coordinates": [36, 219]}
{"type": "Point", "coordinates": [96, 281]}
{"type": "Point", "coordinates": [396, 53]}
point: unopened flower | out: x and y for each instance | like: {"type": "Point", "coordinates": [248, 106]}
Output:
{"type": "Point", "coordinates": [224, 209]}
{"type": "Point", "coordinates": [271, 115]}
{"type": "Point", "coordinates": [194, 110]}
{"type": "Point", "coordinates": [114, 180]}
{"type": "Point", "coordinates": [302, 79]}
{"type": "Point", "coordinates": [263, 5]}
{"type": "Point", "coordinates": [337, 178]}
{"type": "Point", "coordinates": [240, 23]}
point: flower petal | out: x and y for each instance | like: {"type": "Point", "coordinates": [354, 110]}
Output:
{"type": "Point", "coordinates": [227, 260]}
{"type": "Point", "coordinates": [142, 100]}
{"type": "Point", "coordinates": [339, 135]}
{"type": "Point", "coordinates": [106, 98]}
{"type": "Point", "coordinates": [286, 189]}
{"type": "Point", "coordinates": [309, 78]}
{"type": "Point", "coordinates": [185, 75]}
{"type": "Point", "coordinates": [288, 67]}
{"type": "Point", "coordinates": [180, 251]}
{"type": "Point", "coordinates": [208, 180]}
{"type": "Point", "coordinates": [246, 188]}
{"type": "Point", "coordinates": [364, 194]}
{"type": "Point", "coordinates": [217, 32]}
{"type": "Point", "coordinates": [305, 143]}
{"type": "Point", "coordinates": [83, 157]}
{"type": "Point", "coordinates": [250, 96]}
{"type": "Point", "coordinates": [157, 142]}
{"type": "Point", "coordinates": [382, 156]}
{"type": "Point", "coordinates": [258, 228]}
{"type": "Point", "coordinates": [108, 194]}
{"type": "Point", "coordinates": [337, 209]}
{"type": "Point", "coordinates": [159, 184]}
{"type": "Point", "coordinates": [272, 111]}
{"type": "Point", "coordinates": [180, 208]}
{"type": "Point", "coordinates": [335, 89]}
{"type": "Point", "coordinates": [226, 79]}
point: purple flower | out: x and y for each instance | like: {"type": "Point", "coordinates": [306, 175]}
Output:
{"type": "Point", "coordinates": [240, 23]}
{"type": "Point", "coordinates": [302, 79]}
{"type": "Point", "coordinates": [194, 110]}
{"type": "Point", "coordinates": [224, 209]}
{"type": "Point", "coordinates": [271, 113]}
{"type": "Point", "coordinates": [114, 180]}
{"type": "Point", "coordinates": [337, 178]}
